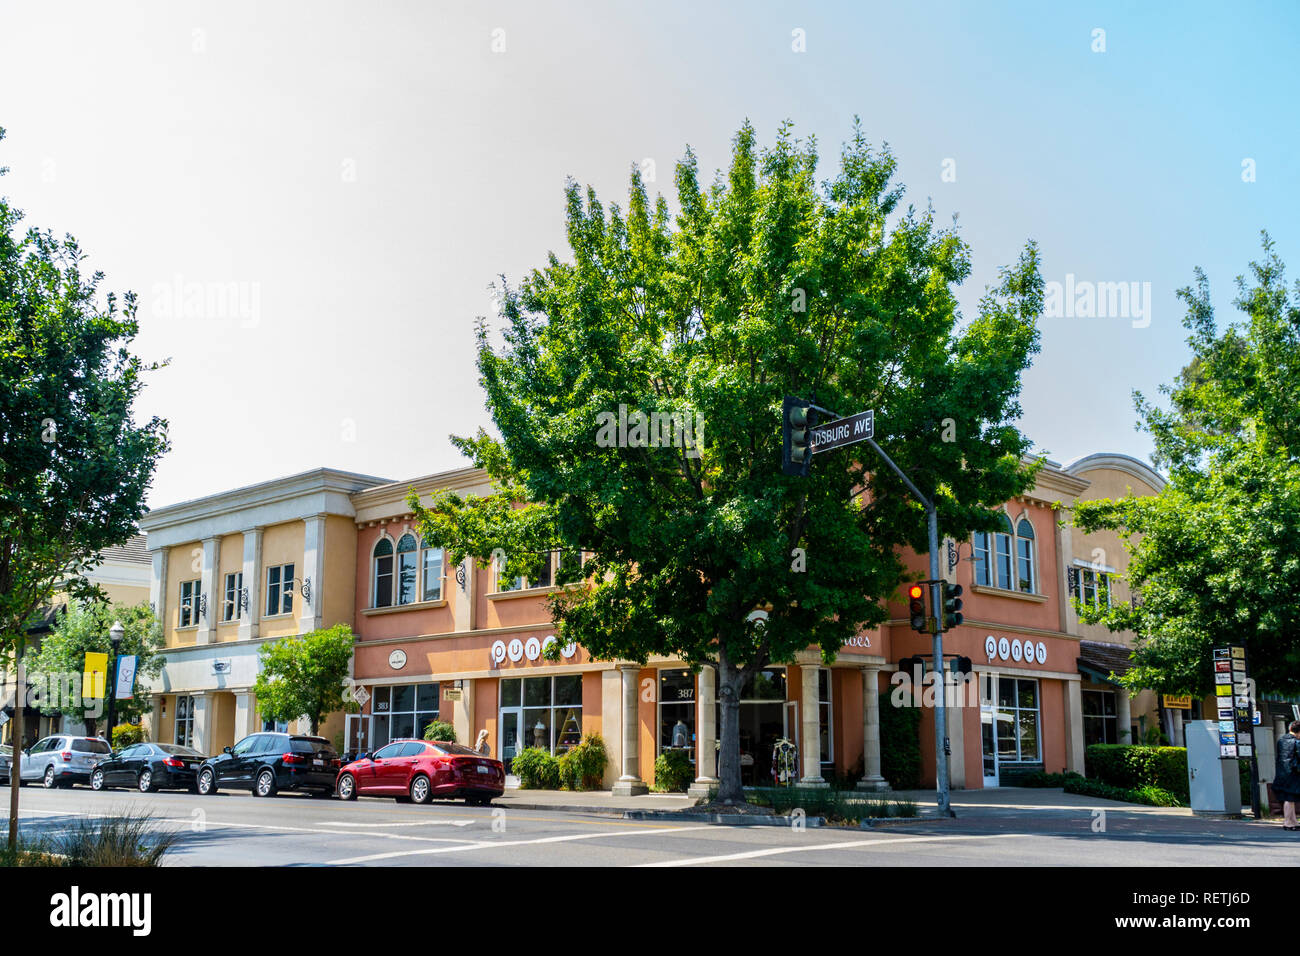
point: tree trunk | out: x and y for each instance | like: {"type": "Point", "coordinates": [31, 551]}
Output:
{"type": "Point", "coordinates": [730, 678]}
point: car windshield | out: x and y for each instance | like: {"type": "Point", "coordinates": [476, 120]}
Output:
{"type": "Point", "coordinates": [90, 746]}
{"type": "Point", "coordinates": [456, 750]}
{"type": "Point", "coordinates": [309, 745]}
{"type": "Point", "coordinates": [178, 750]}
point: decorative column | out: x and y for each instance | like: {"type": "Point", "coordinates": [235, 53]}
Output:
{"type": "Point", "coordinates": [1124, 716]}
{"type": "Point", "coordinates": [158, 585]}
{"type": "Point", "coordinates": [207, 632]}
{"type": "Point", "coordinates": [204, 717]}
{"type": "Point", "coordinates": [871, 730]}
{"type": "Point", "coordinates": [245, 712]}
{"type": "Point", "coordinates": [810, 727]}
{"type": "Point", "coordinates": [249, 616]}
{"type": "Point", "coordinates": [1074, 726]}
{"type": "Point", "coordinates": [706, 734]}
{"type": "Point", "coordinates": [462, 714]}
{"type": "Point", "coordinates": [311, 616]}
{"type": "Point", "coordinates": [630, 784]}
{"type": "Point", "coordinates": [1179, 739]}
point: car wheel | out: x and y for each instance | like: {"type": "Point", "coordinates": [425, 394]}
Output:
{"type": "Point", "coordinates": [265, 786]}
{"type": "Point", "coordinates": [97, 780]}
{"type": "Point", "coordinates": [420, 789]}
{"type": "Point", "coordinates": [347, 787]}
{"type": "Point", "coordinates": [145, 783]}
{"type": "Point", "coordinates": [48, 781]}
{"type": "Point", "coordinates": [207, 782]}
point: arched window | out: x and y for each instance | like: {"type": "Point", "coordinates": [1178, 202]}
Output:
{"type": "Point", "coordinates": [1025, 556]}
{"type": "Point", "coordinates": [406, 569]}
{"type": "Point", "coordinates": [382, 576]}
{"type": "Point", "coordinates": [431, 562]}
{"type": "Point", "coordinates": [993, 555]}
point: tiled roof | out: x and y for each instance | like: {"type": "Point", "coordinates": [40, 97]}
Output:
{"type": "Point", "coordinates": [1106, 658]}
{"type": "Point", "coordinates": [133, 552]}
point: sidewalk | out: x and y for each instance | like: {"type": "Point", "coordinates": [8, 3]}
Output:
{"type": "Point", "coordinates": [590, 801]}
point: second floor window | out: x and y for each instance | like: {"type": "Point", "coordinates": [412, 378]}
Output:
{"type": "Point", "coordinates": [432, 565]}
{"type": "Point", "coordinates": [1091, 586]}
{"type": "Point", "coordinates": [279, 589]}
{"type": "Point", "coordinates": [1005, 558]}
{"type": "Point", "coordinates": [544, 577]}
{"type": "Point", "coordinates": [230, 605]}
{"type": "Point", "coordinates": [189, 606]}
{"type": "Point", "coordinates": [406, 573]}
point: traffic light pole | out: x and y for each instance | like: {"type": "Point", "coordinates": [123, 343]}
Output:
{"type": "Point", "coordinates": [941, 747]}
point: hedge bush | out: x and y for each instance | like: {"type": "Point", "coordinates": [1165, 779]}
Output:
{"type": "Point", "coordinates": [900, 745]}
{"type": "Point", "coordinates": [127, 735]}
{"type": "Point", "coordinates": [1132, 768]}
{"type": "Point", "coordinates": [583, 767]}
{"type": "Point", "coordinates": [440, 730]}
{"type": "Point", "coordinates": [536, 769]}
{"type": "Point", "coordinates": [673, 772]}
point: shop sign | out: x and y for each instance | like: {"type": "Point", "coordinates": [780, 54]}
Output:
{"type": "Point", "coordinates": [532, 649]}
{"type": "Point", "coordinates": [1180, 701]}
{"type": "Point", "coordinates": [1237, 714]}
{"type": "Point", "coordinates": [453, 694]}
{"type": "Point", "coordinates": [397, 659]}
{"type": "Point", "coordinates": [1015, 650]}
{"type": "Point", "coordinates": [860, 640]}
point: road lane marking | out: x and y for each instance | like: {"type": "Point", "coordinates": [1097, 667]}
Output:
{"type": "Point", "coordinates": [491, 844]}
{"type": "Point", "coordinates": [844, 845]}
{"type": "Point", "coordinates": [396, 823]}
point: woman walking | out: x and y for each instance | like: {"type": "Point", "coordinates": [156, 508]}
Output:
{"type": "Point", "coordinates": [1286, 782]}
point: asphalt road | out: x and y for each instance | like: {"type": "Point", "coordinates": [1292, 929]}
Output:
{"type": "Point", "coordinates": [293, 830]}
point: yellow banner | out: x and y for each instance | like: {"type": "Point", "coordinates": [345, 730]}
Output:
{"type": "Point", "coordinates": [96, 675]}
{"type": "Point", "coordinates": [1179, 701]}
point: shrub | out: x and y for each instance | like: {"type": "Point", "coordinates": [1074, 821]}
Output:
{"type": "Point", "coordinates": [835, 806]}
{"type": "Point", "coordinates": [900, 745]}
{"type": "Point", "coordinates": [1041, 779]}
{"type": "Point", "coordinates": [440, 730]}
{"type": "Point", "coordinates": [127, 735]}
{"type": "Point", "coordinates": [673, 772]}
{"type": "Point", "coordinates": [583, 767]}
{"type": "Point", "coordinates": [130, 840]}
{"type": "Point", "coordinates": [1148, 794]}
{"type": "Point", "coordinates": [536, 769]}
{"type": "Point", "coordinates": [1130, 768]}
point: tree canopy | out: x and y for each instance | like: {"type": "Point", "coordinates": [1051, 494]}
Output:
{"type": "Point", "coordinates": [304, 676]}
{"type": "Point", "coordinates": [764, 283]}
{"type": "Point", "coordinates": [1212, 558]}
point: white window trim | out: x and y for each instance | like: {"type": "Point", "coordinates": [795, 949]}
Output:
{"type": "Point", "coordinates": [190, 604]}
{"type": "Point", "coordinates": [1013, 542]}
{"type": "Point", "coordinates": [229, 595]}
{"type": "Point", "coordinates": [283, 584]}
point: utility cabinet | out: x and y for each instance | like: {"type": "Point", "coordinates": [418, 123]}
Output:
{"type": "Point", "coordinates": [1214, 783]}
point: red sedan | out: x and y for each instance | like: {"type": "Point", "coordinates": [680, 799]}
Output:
{"type": "Point", "coordinates": [418, 770]}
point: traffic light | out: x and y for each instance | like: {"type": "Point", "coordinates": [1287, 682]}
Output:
{"type": "Point", "coordinates": [916, 607]}
{"type": "Point", "coordinates": [796, 456]}
{"type": "Point", "coordinates": [964, 665]}
{"type": "Point", "coordinates": [951, 594]}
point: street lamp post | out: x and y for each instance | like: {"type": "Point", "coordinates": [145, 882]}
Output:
{"type": "Point", "coordinates": [115, 634]}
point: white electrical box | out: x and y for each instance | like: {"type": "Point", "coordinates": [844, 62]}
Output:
{"type": "Point", "coordinates": [1214, 783]}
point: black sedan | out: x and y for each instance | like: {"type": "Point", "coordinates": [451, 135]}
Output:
{"type": "Point", "coordinates": [148, 767]}
{"type": "Point", "coordinates": [268, 763]}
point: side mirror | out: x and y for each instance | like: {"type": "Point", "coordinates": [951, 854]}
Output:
{"type": "Point", "coordinates": [368, 756]}
{"type": "Point", "coordinates": [227, 750]}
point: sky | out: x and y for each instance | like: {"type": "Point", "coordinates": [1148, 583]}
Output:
{"type": "Point", "coordinates": [312, 199]}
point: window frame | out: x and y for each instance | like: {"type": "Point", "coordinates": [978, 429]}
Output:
{"type": "Point", "coordinates": [234, 584]}
{"type": "Point", "coordinates": [187, 608]}
{"type": "Point", "coordinates": [281, 592]}
{"type": "Point", "coordinates": [997, 556]}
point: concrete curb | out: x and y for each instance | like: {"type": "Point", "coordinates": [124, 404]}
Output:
{"type": "Point", "coordinates": [566, 808]}
{"type": "Point", "coordinates": [720, 819]}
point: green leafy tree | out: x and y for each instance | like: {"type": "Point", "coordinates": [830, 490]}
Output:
{"type": "Point", "coordinates": [305, 676]}
{"type": "Point", "coordinates": [74, 463]}
{"type": "Point", "coordinates": [1212, 558]}
{"type": "Point", "coordinates": [83, 628]}
{"type": "Point", "coordinates": [764, 283]}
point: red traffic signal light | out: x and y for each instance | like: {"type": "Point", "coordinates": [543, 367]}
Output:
{"type": "Point", "coordinates": [916, 607]}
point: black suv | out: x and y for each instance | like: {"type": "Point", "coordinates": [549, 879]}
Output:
{"type": "Point", "coordinates": [267, 763]}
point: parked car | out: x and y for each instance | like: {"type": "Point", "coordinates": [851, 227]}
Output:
{"type": "Point", "coordinates": [148, 767]}
{"type": "Point", "coordinates": [62, 760]}
{"type": "Point", "coordinates": [267, 763]}
{"type": "Point", "coordinates": [418, 770]}
{"type": "Point", "coordinates": [6, 754]}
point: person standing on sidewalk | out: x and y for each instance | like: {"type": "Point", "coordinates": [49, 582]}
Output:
{"type": "Point", "coordinates": [1286, 782]}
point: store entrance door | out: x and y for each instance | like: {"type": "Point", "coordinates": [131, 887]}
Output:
{"type": "Point", "coordinates": [989, 743]}
{"type": "Point", "coordinates": [356, 734]}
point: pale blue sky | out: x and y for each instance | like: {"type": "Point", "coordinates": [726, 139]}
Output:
{"type": "Point", "coordinates": [359, 173]}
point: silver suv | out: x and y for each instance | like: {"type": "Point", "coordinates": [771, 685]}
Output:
{"type": "Point", "coordinates": [62, 760]}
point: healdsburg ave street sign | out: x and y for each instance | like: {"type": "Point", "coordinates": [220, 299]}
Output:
{"type": "Point", "coordinates": [843, 431]}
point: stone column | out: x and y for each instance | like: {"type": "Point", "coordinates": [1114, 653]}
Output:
{"type": "Point", "coordinates": [310, 610]}
{"type": "Point", "coordinates": [1124, 716]}
{"type": "Point", "coordinates": [706, 733]}
{"type": "Point", "coordinates": [630, 783]}
{"type": "Point", "coordinates": [1074, 749]}
{"type": "Point", "coordinates": [158, 585]}
{"type": "Point", "coordinates": [204, 717]}
{"type": "Point", "coordinates": [462, 715]}
{"type": "Point", "coordinates": [245, 713]}
{"type": "Point", "coordinates": [871, 730]}
{"type": "Point", "coordinates": [1179, 739]}
{"type": "Point", "coordinates": [810, 728]}
{"type": "Point", "coordinates": [250, 615]}
{"type": "Point", "coordinates": [207, 615]}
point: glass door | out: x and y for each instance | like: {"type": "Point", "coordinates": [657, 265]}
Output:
{"type": "Point", "coordinates": [989, 729]}
{"type": "Point", "coordinates": [509, 735]}
{"type": "Point", "coordinates": [356, 735]}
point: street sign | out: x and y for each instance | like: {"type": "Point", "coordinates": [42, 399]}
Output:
{"type": "Point", "coordinates": [844, 431]}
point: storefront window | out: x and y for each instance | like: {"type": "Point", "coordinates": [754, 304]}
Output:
{"type": "Point", "coordinates": [677, 710]}
{"type": "Point", "coordinates": [824, 714]}
{"type": "Point", "coordinates": [184, 733]}
{"type": "Point", "coordinates": [1017, 720]}
{"type": "Point", "coordinates": [403, 710]}
{"type": "Point", "coordinates": [543, 712]}
{"type": "Point", "coordinates": [762, 723]}
{"type": "Point", "coordinates": [1100, 723]}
